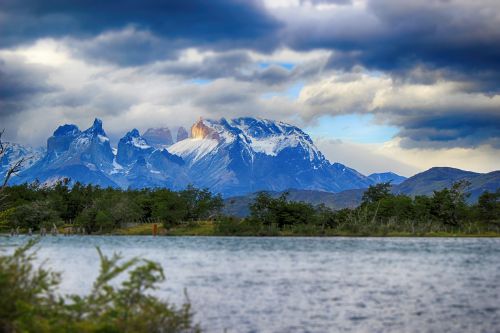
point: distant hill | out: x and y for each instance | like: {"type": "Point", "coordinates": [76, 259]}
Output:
{"type": "Point", "coordinates": [437, 178]}
{"type": "Point", "coordinates": [385, 177]}
{"type": "Point", "coordinates": [239, 206]}
{"type": "Point", "coordinates": [423, 183]}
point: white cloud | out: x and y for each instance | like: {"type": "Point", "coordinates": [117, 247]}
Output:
{"type": "Point", "coordinates": [143, 97]}
{"type": "Point", "coordinates": [389, 156]}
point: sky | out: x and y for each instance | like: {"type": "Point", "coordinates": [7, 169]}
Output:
{"type": "Point", "coordinates": [380, 85]}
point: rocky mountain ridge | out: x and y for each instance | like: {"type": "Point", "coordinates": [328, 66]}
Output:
{"type": "Point", "coordinates": [231, 157]}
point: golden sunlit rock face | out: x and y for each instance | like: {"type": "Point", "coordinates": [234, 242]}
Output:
{"type": "Point", "coordinates": [201, 131]}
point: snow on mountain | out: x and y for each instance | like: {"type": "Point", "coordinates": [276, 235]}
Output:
{"type": "Point", "coordinates": [385, 177]}
{"type": "Point", "coordinates": [14, 152]}
{"type": "Point", "coordinates": [81, 156]}
{"type": "Point", "coordinates": [236, 156]}
{"type": "Point", "coordinates": [139, 165]}
{"type": "Point", "coordinates": [246, 154]}
{"type": "Point", "coordinates": [258, 135]}
{"type": "Point", "coordinates": [131, 147]}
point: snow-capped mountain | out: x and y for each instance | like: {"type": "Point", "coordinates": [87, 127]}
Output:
{"type": "Point", "coordinates": [139, 165]}
{"type": "Point", "coordinates": [231, 157]}
{"type": "Point", "coordinates": [246, 155]}
{"type": "Point", "coordinates": [81, 156]}
{"type": "Point", "coordinates": [14, 152]}
{"type": "Point", "coordinates": [132, 147]}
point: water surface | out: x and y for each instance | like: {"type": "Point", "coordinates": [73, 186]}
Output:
{"type": "Point", "coordinates": [308, 284]}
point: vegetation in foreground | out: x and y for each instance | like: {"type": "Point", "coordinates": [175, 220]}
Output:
{"type": "Point", "coordinates": [29, 301]}
{"type": "Point", "coordinates": [94, 210]}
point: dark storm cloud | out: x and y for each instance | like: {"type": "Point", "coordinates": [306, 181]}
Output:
{"type": "Point", "coordinates": [18, 80]}
{"type": "Point", "coordinates": [198, 21]}
{"type": "Point", "coordinates": [211, 67]}
{"type": "Point", "coordinates": [319, 2]}
{"type": "Point", "coordinates": [393, 35]}
{"type": "Point", "coordinates": [412, 42]}
{"type": "Point", "coordinates": [127, 47]}
{"type": "Point", "coordinates": [132, 33]}
{"type": "Point", "coordinates": [237, 65]}
{"type": "Point", "coordinates": [19, 84]}
{"type": "Point", "coordinates": [445, 129]}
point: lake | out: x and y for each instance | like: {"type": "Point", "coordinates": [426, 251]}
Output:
{"type": "Point", "coordinates": [308, 284]}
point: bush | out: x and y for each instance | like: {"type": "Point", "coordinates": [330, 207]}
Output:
{"type": "Point", "coordinates": [29, 303]}
{"type": "Point", "coordinates": [34, 215]}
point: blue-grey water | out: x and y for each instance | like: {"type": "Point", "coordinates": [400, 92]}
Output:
{"type": "Point", "coordinates": [308, 284]}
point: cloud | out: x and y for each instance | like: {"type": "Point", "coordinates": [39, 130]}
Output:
{"type": "Point", "coordinates": [390, 156]}
{"type": "Point", "coordinates": [457, 37]}
{"type": "Point", "coordinates": [198, 22]}
{"type": "Point", "coordinates": [365, 158]}
{"type": "Point", "coordinates": [437, 115]}
{"type": "Point", "coordinates": [429, 69]}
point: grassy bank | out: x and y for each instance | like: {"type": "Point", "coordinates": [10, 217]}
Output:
{"type": "Point", "coordinates": [212, 228]}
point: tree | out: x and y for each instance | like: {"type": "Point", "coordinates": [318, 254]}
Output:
{"type": "Point", "coordinates": [376, 192]}
{"type": "Point", "coordinates": [261, 209]}
{"type": "Point", "coordinates": [488, 206]}
{"type": "Point", "coordinates": [448, 205]}
{"type": "Point", "coordinates": [201, 204]}
{"type": "Point", "coordinates": [34, 215]}
{"type": "Point", "coordinates": [169, 207]}
{"type": "Point", "coordinates": [14, 168]}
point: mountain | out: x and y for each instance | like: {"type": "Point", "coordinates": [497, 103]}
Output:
{"type": "Point", "coordinates": [81, 156]}
{"type": "Point", "coordinates": [163, 137]}
{"type": "Point", "coordinates": [14, 152]}
{"type": "Point", "coordinates": [424, 183]}
{"type": "Point", "coordinates": [158, 137]}
{"type": "Point", "coordinates": [139, 165]}
{"type": "Point", "coordinates": [385, 177]}
{"type": "Point", "coordinates": [438, 178]}
{"type": "Point", "coordinates": [182, 134]}
{"type": "Point", "coordinates": [132, 147]}
{"type": "Point", "coordinates": [231, 157]}
{"type": "Point", "coordinates": [245, 155]}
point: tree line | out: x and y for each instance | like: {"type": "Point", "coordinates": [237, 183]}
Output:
{"type": "Point", "coordinates": [96, 209]}
{"type": "Point", "coordinates": [380, 213]}
{"type": "Point", "coordinates": [101, 210]}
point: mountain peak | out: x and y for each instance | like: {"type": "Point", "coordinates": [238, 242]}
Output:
{"type": "Point", "coordinates": [134, 133]}
{"type": "Point", "coordinates": [97, 123]}
{"type": "Point", "coordinates": [200, 130]}
{"type": "Point", "coordinates": [158, 137]}
{"type": "Point", "coordinates": [96, 128]}
{"type": "Point", "coordinates": [67, 129]}
{"type": "Point", "coordinates": [182, 134]}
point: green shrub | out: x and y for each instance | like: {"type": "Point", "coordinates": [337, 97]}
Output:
{"type": "Point", "coordinates": [29, 302]}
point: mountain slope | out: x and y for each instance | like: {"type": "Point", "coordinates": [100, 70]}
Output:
{"type": "Point", "coordinates": [385, 177]}
{"type": "Point", "coordinates": [438, 178]}
{"type": "Point", "coordinates": [14, 152]}
{"type": "Point", "coordinates": [139, 165]}
{"type": "Point", "coordinates": [423, 183]}
{"type": "Point", "coordinates": [81, 156]}
{"type": "Point", "coordinates": [231, 157]}
{"type": "Point", "coordinates": [245, 155]}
